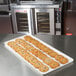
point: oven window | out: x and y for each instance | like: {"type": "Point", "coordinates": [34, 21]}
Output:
{"type": "Point", "coordinates": [22, 22]}
{"type": "Point", "coordinates": [43, 23]}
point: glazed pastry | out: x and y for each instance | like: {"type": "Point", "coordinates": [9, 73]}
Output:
{"type": "Point", "coordinates": [52, 54]}
{"type": "Point", "coordinates": [14, 46]}
{"type": "Point", "coordinates": [22, 53]}
{"type": "Point", "coordinates": [61, 59]}
{"type": "Point", "coordinates": [43, 68]}
{"type": "Point", "coordinates": [53, 64]}
{"type": "Point", "coordinates": [28, 38]}
{"type": "Point", "coordinates": [37, 64]}
{"type": "Point", "coordinates": [24, 44]}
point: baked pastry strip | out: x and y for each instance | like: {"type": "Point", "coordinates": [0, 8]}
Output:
{"type": "Point", "coordinates": [24, 44]}
{"type": "Point", "coordinates": [47, 50]}
{"type": "Point", "coordinates": [53, 64]}
{"type": "Point", "coordinates": [27, 56]}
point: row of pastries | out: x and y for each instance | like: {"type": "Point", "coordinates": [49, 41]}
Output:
{"type": "Point", "coordinates": [37, 54]}
{"type": "Point", "coordinates": [47, 50]}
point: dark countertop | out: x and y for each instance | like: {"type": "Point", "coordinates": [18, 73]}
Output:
{"type": "Point", "coordinates": [11, 66]}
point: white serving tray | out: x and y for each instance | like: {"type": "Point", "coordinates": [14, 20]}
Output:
{"type": "Point", "coordinates": [50, 71]}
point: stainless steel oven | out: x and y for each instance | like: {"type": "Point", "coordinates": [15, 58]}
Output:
{"type": "Point", "coordinates": [34, 18]}
{"type": "Point", "coordinates": [22, 21]}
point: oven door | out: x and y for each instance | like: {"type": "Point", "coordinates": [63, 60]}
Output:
{"type": "Point", "coordinates": [45, 21]}
{"type": "Point", "coordinates": [22, 21]}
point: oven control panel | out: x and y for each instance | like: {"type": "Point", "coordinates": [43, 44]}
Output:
{"type": "Point", "coordinates": [58, 21]}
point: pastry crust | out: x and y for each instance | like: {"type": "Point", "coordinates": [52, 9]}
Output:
{"type": "Point", "coordinates": [14, 46]}
{"type": "Point", "coordinates": [61, 59]}
{"type": "Point", "coordinates": [53, 54]}
{"type": "Point", "coordinates": [24, 44]}
{"type": "Point", "coordinates": [54, 64]}
{"type": "Point", "coordinates": [43, 68]}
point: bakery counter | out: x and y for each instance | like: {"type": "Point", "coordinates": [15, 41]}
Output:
{"type": "Point", "coordinates": [11, 66]}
